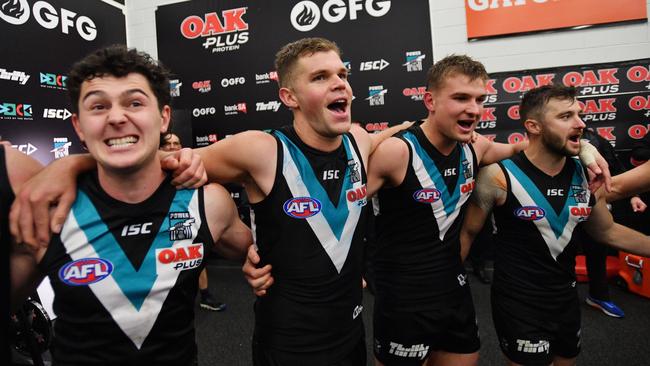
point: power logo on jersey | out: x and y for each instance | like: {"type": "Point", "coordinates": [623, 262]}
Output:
{"type": "Point", "coordinates": [180, 257]}
{"type": "Point", "coordinates": [579, 194]}
{"type": "Point", "coordinates": [530, 213]}
{"type": "Point", "coordinates": [302, 207]}
{"type": "Point", "coordinates": [427, 195]}
{"type": "Point", "coordinates": [180, 225]}
{"type": "Point", "coordinates": [85, 271]}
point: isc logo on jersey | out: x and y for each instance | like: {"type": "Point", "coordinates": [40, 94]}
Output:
{"type": "Point", "coordinates": [530, 213]}
{"type": "Point", "coordinates": [180, 257]}
{"type": "Point", "coordinates": [581, 212]}
{"type": "Point", "coordinates": [85, 271]}
{"type": "Point", "coordinates": [427, 195]}
{"type": "Point", "coordinates": [302, 207]}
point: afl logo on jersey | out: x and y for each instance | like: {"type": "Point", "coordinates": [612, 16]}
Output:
{"type": "Point", "coordinates": [302, 207]}
{"type": "Point", "coordinates": [427, 195]}
{"type": "Point", "coordinates": [530, 213]}
{"type": "Point", "coordinates": [85, 271]}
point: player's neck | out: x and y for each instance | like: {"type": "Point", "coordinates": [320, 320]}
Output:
{"type": "Point", "coordinates": [132, 186]}
{"type": "Point", "coordinates": [548, 161]}
{"type": "Point", "coordinates": [314, 139]}
{"type": "Point", "coordinates": [442, 143]}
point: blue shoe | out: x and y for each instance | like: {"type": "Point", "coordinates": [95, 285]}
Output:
{"type": "Point", "coordinates": [606, 307]}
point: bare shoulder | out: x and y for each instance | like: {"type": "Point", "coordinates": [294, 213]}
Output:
{"type": "Point", "coordinates": [390, 157]}
{"type": "Point", "coordinates": [218, 205]}
{"type": "Point", "coordinates": [481, 145]}
{"type": "Point", "coordinates": [362, 137]}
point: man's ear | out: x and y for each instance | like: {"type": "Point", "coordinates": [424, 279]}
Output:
{"type": "Point", "coordinates": [533, 126]}
{"type": "Point", "coordinates": [288, 98]}
{"type": "Point", "coordinates": [429, 101]}
{"type": "Point", "coordinates": [77, 126]}
{"type": "Point", "coordinates": [165, 115]}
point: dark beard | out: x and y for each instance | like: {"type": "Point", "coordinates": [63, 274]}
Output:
{"type": "Point", "coordinates": [556, 145]}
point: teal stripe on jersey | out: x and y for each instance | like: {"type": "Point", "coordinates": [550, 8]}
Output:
{"type": "Point", "coordinates": [136, 284]}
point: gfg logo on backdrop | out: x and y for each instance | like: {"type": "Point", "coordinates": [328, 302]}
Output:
{"type": "Point", "coordinates": [17, 12]}
{"type": "Point", "coordinates": [306, 15]}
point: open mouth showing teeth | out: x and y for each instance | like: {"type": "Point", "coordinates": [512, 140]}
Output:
{"type": "Point", "coordinates": [122, 141]}
{"type": "Point", "coordinates": [574, 138]}
{"type": "Point", "coordinates": [338, 105]}
{"type": "Point", "coordinates": [466, 124]}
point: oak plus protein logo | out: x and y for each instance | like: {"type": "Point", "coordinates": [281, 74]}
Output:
{"type": "Point", "coordinates": [306, 15]}
{"type": "Point", "coordinates": [376, 95]}
{"type": "Point", "coordinates": [17, 12]}
{"type": "Point", "coordinates": [202, 86]}
{"type": "Point", "coordinates": [221, 34]}
{"type": "Point", "coordinates": [414, 61]}
{"type": "Point", "coordinates": [416, 94]}
{"type": "Point", "coordinates": [18, 76]}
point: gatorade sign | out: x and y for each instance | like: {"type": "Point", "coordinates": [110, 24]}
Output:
{"type": "Point", "coordinates": [488, 18]}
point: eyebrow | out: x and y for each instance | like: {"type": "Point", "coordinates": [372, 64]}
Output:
{"type": "Point", "coordinates": [125, 93]}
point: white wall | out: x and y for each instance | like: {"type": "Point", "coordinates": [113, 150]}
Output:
{"type": "Point", "coordinates": [560, 48]}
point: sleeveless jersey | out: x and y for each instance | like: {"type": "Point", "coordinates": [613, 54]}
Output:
{"type": "Point", "coordinates": [6, 198]}
{"type": "Point", "coordinates": [418, 262]}
{"type": "Point", "coordinates": [310, 227]}
{"type": "Point", "coordinates": [535, 251]}
{"type": "Point", "coordinates": [125, 277]}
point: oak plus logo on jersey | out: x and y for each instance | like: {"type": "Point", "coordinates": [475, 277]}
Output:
{"type": "Point", "coordinates": [52, 113]}
{"type": "Point", "coordinates": [180, 257]}
{"type": "Point", "coordinates": [357, 196]}
{"type": "Point", "coordinates": [271, 106]}
{"type": "Point", "coordinates": [593, 82]}
{"type": "Point", "coordinates": [202, 86]}
{"type": "Point", "coordinates": [582, 213]}
{"type": "Point", "coordinates": [376, 65]}
{"type": "Point", "coordinates": [597, 110]}
{"type": "Point", "coordinates": [414, 61]}
{"type": "Point", "coordinates": [205, 111]}
{"type": "Point", "coordinates": [234, 109]}
{"type": "Point", "coordinates": [220, 34]}
{"type": "Point", "coordinates": [52, 81]}
{"type": "Point", "coordinates": [376, 95]}
{"type": "Point", "coordinates": [415, 93]}
{"type": "Point", "coordinates": [18, 76]}
{"type": "Point", "coordinates": [426, 195]}
{"type": "Point", "coordinates": [16, 111]}
{"type": "Point", "coordinates": [306, 15]}
{"type": "Point", "coordinates": [85, 271]}
{"type": "Point", "coordinates": [17, 12]}
{"type": "Point", "coordinates": [266, 77]}
{"type": "Point", "coordinates": [61, 147]}
{"type": "Point", "coordinates": [302, 207]}
{"type": "Point", "coordinates": [530, 213]}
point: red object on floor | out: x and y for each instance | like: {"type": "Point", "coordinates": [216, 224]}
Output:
{"type": "Point", "coordinates": [613, 267]}
{"type": "Point", "coordinates": [635, 271]}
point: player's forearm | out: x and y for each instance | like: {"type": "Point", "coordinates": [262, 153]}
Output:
{"type": "Point", "coordinates": [626, 239]}
{"type": "Point", "coordinates": [25, 275]}
{"type": "Point", "coordinates": [235, 241]}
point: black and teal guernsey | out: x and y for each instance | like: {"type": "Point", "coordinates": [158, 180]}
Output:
{"type": "Point", "coordinates": [310, 227]}
{"type": "Point", "coordinates": [6, 198]}
{"type": "Point", "coordinates": [535, 250]}
{"type": "Point", "coordinates": [125, 277]}
{"type": "Point", "coordinates": [418, 263]}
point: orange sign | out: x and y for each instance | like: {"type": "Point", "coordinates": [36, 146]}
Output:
{"type": "Point", "coordinates": [487, 18]}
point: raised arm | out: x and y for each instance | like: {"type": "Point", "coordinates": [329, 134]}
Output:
{"type": "Point", "coordinates": [601, 226]}
{"type": "Point", "coordinates": [630, 183]}
{"type": "Point", "coordinates": [490, 152]}
{"type": "Point", "coordinates": [490, 191]}
{"type": "Point", "coordinates": [378, 138]}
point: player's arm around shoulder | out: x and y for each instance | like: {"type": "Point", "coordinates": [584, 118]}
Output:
{"type": "Point", "coordinates": [490, 191]}
{"type": "Point", "coordinates": [247, 157]}
{"type": "Point", "coordinates": [601, 226]}
{"type": "Point", "coordinates": [632, 182]}
{"type": "Point", "coordinates": [363, 140]}
{"type": "Point", "coordinates": [489, 152]}
{"type": "Point", "coordinates": [388, 165]}
{"type": "Point", "coordinates": [231, 236]}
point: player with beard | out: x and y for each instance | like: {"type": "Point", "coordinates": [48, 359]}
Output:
{"type": "Point", "coordinates": [539, 196]}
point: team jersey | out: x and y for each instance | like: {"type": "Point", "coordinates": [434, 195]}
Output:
{"type": "Point", "coordinates": [417, 262]}
{"type": "Point", "coordinates": [125, 277]}
{"type": "Point", "coordinates": [6, 198]}
{"type": "Point", "coordinates": [310, 227]}
{"type": "Point", "coordinates": [535, 247]}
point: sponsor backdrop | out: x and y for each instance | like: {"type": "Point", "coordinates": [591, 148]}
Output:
{"type": "Point", "coordinates": [615, 99]}
{"type": "Point", "coordinates": [223, 52]}
{"type": "Point", "coordinates": [487, 18]}
{"type": "Point", "coordinates": [41, 41]}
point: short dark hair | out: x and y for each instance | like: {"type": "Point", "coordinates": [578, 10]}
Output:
{"type": "Point", "coordinates": [454, 64]}
{"type": "Point", "coordinates": [533, 102]}
{"type": "Point", "coordinates": [288, 55]}
{"type": "Point", "coordinates": [118, 61]}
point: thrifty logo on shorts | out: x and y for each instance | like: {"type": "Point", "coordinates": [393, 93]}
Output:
{"type": "Point", "coordinates": [416, 351]}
